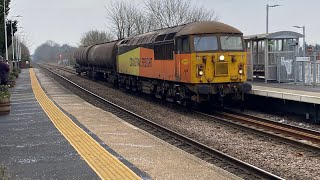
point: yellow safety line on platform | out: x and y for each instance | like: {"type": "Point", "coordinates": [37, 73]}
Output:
{"type": "Point", "coordinates": [101, 161]}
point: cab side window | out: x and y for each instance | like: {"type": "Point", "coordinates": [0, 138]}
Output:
{"type": "Point", "coordinates": [185, 44]}
{"type": "Point", "coordinates": [182, 45]}
{"type": "Point", "coordinates": [178, 47]}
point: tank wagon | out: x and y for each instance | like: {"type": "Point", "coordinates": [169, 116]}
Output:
{"type": "Point", "coordinates": [193, 62]}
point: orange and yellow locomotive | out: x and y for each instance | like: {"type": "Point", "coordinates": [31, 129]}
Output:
{"type": "Point", "coordinates": [192, 62]}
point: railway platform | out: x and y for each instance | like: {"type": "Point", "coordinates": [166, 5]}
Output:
{"type": "Point", "coordinates": [304, 100]}
{"type": "Point", "coordinates": [286, 91]}
{"type": "Point", "coordinates": [53, 134]}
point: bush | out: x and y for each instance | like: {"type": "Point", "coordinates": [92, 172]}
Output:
{"type": "Point", "coordinates": [4, 92]}
{"type": "Point", "coordinates": [12, 77]}
{"type": "Point", "coordinates": [16, 69]}
{"type": "Point", "coordinates": [3, 174]}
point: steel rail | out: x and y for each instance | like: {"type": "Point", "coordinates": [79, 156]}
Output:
{"type": "Point", "coordinates": [290, 130]}
{"type": "Point", "coordinates": [276, 130]}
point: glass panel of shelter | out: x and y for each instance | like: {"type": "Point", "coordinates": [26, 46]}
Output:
{"type": "Point", "coordinates": [281, 59]}
{"type": "Point", "coordinates": [277, 48]}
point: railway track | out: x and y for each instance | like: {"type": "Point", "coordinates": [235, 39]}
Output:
{"type": "Point", "coordinates": [65, 68]}
{"type": "Point", "coordinates": [287, 130]}
{"type": "Point", "coordinates": [297, 136]}
{"type": "Point", "coordinates": [220, 159]}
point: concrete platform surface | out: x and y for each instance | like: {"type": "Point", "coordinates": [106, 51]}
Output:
{"type": "Point", "coordinates": [30, 145]}
{"type": "Point", "coordinates": [157, 158]}
{"type": "Point", "coordinates": [299, 93]}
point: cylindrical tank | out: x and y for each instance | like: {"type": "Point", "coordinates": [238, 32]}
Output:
{"type": "Point", "coordinates": [103, 55]}
{"type": "Point", "coordinates": [76, 54]}
{"type": "Point", "coordinates": [81, 55]}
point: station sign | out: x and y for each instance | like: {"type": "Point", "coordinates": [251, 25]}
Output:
{"type": "Point", "coordinates": [303, 59]}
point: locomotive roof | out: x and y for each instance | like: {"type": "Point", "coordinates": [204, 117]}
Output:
{"type": "Point", "coordinates": [167, 34]}
{"type": "Point", "coordinates": [207, 27]}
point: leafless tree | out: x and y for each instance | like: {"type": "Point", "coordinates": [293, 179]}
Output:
{"type": "Point", "coordinates": [123, 16]}
{"type": "Point", "coordinates": [52, 43]}
{"type": "Point", "coordinates": [169, 13]}
{"type": "Point", "coordinates": [51, 51]}
{"type": "Point", "coordinates": [144, 23]}
{"type": "Point", "coordinates": [95, 37]}
{"type": "Point", "coordinates": [201, 14]}
{"type": "Point", "coordinates": [127, 18]}
{"type": "Point", "coordinates": [115, 14]}
{"type": "Point", "coordinates": [25, 53]}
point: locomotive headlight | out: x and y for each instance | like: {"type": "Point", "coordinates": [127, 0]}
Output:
{"type": "Point", "coordinates": [200, 73]}
{"type": "Point", "coordinates": [221, 57]}
{"type": "Point", "coordinates": [240, 71]}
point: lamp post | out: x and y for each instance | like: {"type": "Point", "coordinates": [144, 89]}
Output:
{"type": "Point", "coordinates": [12, 44]}
{"type": "Point", "coordinates": [17, 41]}
{"type": "Point", "coordinates": [13, 53]}
{"type": "Point", "coordinates": [304, 38]}
{"type": "Point", "coordinates": [19, 50]}
{"type": "Point", "coordinates": [267, 16]}
{"type": "Point", "coordinates": [5, 28]}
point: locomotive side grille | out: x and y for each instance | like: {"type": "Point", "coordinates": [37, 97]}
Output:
{"type": "Point", "coordinates": [221, 69]}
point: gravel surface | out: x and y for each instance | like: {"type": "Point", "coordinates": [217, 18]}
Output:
{"type": "Point", "coordinates": [281, 159]}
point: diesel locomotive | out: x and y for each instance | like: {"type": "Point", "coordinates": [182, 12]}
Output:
{"type": "Point", "coordinates": [193, 62]}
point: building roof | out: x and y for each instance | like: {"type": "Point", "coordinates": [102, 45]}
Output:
{"type": "Point", "coordinates": [276, 35]}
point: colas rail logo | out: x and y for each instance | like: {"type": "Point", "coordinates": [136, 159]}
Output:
{"type": "Point", "coordinates": [141, 62]}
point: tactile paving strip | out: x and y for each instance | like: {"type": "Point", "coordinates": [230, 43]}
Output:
{"type": "Point", "coordinates": [100, 160]}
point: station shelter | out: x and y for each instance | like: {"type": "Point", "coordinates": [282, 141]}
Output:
{"type": "Point", "coordinates": [272, 56]}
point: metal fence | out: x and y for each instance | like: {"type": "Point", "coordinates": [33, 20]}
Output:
{"type": "Point", "coordinates": [308, 72]}
{"type": "Point", "coordinates": [285, 67]}
{"type": "Point", "coordinates": [299, 72]}
{"type": "Point", "coordinates": [281, 66]}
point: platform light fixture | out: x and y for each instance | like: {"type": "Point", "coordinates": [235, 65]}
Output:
{"type": "Point", "coordinates": [5, 28]}
{"type": "Point", "coordinates": [304, 38]}
{"type": "Point", "coordinates": [267, 15]}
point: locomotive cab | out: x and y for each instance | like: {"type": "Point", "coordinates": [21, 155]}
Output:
{"type": "Point", "coordinates": [218, 58]}
{"type": "Point", "coordinates": [212, 63]}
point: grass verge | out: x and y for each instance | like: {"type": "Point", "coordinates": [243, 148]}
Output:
{"type": "Point", "coordinates": [3, 174]}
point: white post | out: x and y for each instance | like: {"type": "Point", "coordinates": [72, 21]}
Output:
{"type": "Point", "coordinates": [18, 50]}
{"type": "Point", "coordinates": [251, 58]}
{"type": "Point", "coordinates": [304, 41]}
{"type": "Point", "coordinates": [314, 69]}
{"type": "Point", "coordinates": [266, 60]}
{"type": "Point", "coordinates": [5, 29]}
{"type": "Point", "coordinates": [17, 47]}
{"type": "Point", "coordinates": [12, 41]}
{"type": "Point", "coordinates": [20, 47]}
{"type": "Point", "coordinates": [267, 19]}
{"type": "Point", "coordinates": [304, 38]}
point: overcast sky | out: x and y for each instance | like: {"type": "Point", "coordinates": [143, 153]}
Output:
{"type": "Point", "coordinates": [64, 21]}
